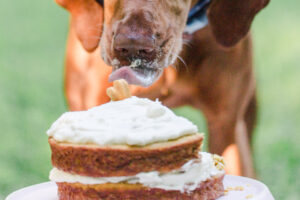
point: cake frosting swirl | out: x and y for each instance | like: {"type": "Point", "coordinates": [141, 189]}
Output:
{"type": "Point", "coordinates": [133, 121]}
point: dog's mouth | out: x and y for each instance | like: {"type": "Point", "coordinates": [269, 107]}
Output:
{"type": "Point", "coordinates": [137, 74]}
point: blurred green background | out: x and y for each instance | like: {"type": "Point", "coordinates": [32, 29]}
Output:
{"type": "Point", "coordinates": [32, 43]}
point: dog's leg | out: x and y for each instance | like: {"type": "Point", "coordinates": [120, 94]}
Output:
{"type": "Point", "coordinates": [234, 147]}
{"type": "Point", "coordinates": [224, 93]}
{"type": "Point", "coordinates": [229, 136]}
{"type": "Point", "coordinates": [85, 75]}
{"type": "Point", "coordinates": [222, 141]}
{"type": "Point", "coordinates": [250, 117]}
{"type": "Point", "coordinates": [243, 144]}
{"type": "Point", "coordinates": [243, 136]}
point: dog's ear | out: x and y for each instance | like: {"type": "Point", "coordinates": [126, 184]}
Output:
{"type": "Point", "coordinates": [87, 19]}
{"type": "Point", "coordinates": [230, 20]}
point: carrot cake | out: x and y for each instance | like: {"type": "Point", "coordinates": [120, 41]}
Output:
{"type": "Point", "coordinates": [133, 148]}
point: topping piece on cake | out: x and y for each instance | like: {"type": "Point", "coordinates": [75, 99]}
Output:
{"type": "Point", "coordinates": [119, 91]}
{"type": "Point", "coordinates": [219, 162]}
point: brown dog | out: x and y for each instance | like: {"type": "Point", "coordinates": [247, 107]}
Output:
{"type": "Point", "coordinates": [139, 38]}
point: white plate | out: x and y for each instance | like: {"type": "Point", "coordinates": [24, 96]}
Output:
{"type": "Point", "coordinates": [251, 190]}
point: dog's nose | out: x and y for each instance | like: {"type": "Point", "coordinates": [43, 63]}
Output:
{"type": "Point", "coordinates": [132, 46]}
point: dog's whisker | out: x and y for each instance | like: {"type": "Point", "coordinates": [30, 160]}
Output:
{"type": "Point", "coordinates": [182, 61]}
{"type": "Point", "coordinates": [187, 43]}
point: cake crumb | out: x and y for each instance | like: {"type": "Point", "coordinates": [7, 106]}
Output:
{"type": "Point", "coordinates": [219, 162]}
{"type": "Point", "coordinates": [229, 189]}
{"type": "Point", "coordinates": [239, 188]}
{"type": "Point", "coordinates": [248, 185]}
{"type": "Point", "coordinates": [249, 196]}
{"type": "Point", "coordinates": [136, 63]}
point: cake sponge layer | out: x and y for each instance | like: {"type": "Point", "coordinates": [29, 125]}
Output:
{"type": "Point", "coordinates": [209, 189]}
{"type": "Point", "coordinates": [123, 160]}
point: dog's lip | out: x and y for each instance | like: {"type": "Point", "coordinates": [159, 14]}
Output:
{"type": "Point", "coordinates": [142, 76]}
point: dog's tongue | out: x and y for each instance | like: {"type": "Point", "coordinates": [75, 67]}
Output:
{"type": "Point", "coordinates": [142, 77]}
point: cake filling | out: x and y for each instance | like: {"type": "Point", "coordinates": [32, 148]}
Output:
{"type": "Point", "coordinates": [187, 178]}
{"type": "Point", "coordinates": [133, 121]}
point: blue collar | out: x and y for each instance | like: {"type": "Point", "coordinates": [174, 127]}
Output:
{"type": "Point", "coordinates": [101, 2]}
{"type": "Point", "coordinates": [197, 18]}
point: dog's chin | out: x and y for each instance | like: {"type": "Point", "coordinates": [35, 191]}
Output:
{"type": "Point", "coordinates": [141, 76]}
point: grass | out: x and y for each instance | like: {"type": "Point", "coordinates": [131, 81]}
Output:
{"type": "Point", "coordinates": [32, 42]}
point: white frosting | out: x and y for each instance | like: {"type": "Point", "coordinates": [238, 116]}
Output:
{"type": "Point", "coordinates": [133, 121]}
{"type": "Point", "coordinates": [187, 178]}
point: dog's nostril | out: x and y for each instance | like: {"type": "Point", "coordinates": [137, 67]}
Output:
{"type": "Point", "coordinates": [124, 50]}
{"type": "Point", "coordinates": [144, 51]}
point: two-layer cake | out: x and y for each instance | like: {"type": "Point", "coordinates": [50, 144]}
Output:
{"type": "Point", "coordinates": [131, 149]}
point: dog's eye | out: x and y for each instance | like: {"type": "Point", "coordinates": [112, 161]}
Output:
{"type": "Point", "coordinates": [100, 2]}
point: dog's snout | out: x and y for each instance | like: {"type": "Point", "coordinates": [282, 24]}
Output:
{"type": "Point", "coordinates": [133, 46]}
